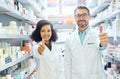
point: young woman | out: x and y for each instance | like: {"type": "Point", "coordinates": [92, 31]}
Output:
{"type": "Point", "coordinates": [46, 53]}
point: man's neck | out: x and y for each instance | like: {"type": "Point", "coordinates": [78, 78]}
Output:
{"type": "Point", "coordinates": [82, 29]}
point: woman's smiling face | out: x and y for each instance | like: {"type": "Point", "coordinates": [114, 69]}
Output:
{"type": "Point", "coordinates": [46, 32]}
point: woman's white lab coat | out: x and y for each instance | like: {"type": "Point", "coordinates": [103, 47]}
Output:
{"type": "Point", "coordinates": [49, 63]}
{"type": "Point", "coordinates": [83, 61]}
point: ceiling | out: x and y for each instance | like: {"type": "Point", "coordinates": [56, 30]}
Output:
{"type": "Point", "coordinates": [53, 2]}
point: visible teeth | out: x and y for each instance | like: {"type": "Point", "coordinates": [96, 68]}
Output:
{"type": "Point", "coordinates": [46, 36]}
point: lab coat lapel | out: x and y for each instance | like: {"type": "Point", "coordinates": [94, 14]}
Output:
{"type": "Point", "coordinates": [47, 50]}
{"type": "Point", "coordinates": [88, 35]}
{"type": "Point", "coordinates": [77, 38]}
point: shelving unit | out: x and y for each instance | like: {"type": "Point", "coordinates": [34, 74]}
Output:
{"type": "Point", "coordinates": [112, 15]}
{"type": "Point", "coordinates": [14, 62]}
{"type": "Point", "coordinates": [108, 17]}
{"type": "Point", "coordinates": [100, 8]}
{"type": "Point", "coordinates": [116, 58]}
{"type": "Point", "coordinates": [6, 9]}
{"type": "Point", "coordinates": [15, 41]}
{"type": "Point", "coordinates": [110, 62]}
{"type": "Point", "coordinates": [35, 7]}
{"type": "Point", "coordinates": [31, 71]}
{"type": "Point", "coordinates": [23, 37]}
{"type": "Point", "coordinates": [111, 56]}
{"type": "Point", "coordinates": [64, 26]}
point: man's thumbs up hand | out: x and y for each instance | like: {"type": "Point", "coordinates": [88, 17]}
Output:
{"type": "Point", "coordinates": [103, 37]}
{"type": "Point", "coordinates": [101, 28]}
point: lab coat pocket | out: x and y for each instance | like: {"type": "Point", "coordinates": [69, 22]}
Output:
{"type": "Point", "coordinates": [91, 45]}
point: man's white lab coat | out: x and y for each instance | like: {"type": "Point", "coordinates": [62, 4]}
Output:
{"type": "Point", "coordinates": [83, 61]}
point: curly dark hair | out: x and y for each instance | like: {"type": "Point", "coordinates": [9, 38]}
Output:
{"type": "Point", "coordinates": [35, 36]}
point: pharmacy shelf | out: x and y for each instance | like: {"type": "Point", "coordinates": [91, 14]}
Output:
{"type": "Point", "coordinates": [7, 36]}
{"type": "Point", "coordinates": [33, 5]}
{"type": "Point", "coordinates": [116, 58]}
{"type": "Point", "coordinates": [32, 70]}
{"type": "Point", "coordinates": [112, 15]}
{"type": "Point", "coordinates": [100, 8]}
{"type": "Point", "coordinates": [108, 17]}
{"type": "Point", "coordinates": [14, 40]}
{"type": "Point", "coordinates": [14, 62]}
{"type": "Point", "coordinates": [9, 10]}
{"type": "Point", "coordinates": [64, 26]}
{"type": "Point", "coordinates": [110, 56]}
{"type": "Point", "coordinates": [109, 75]}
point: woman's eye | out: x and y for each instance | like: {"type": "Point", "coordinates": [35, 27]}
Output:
{"type": "Point", "coordinates": [45, 31]}
{"type": "Point", "coordinates": [42, 30]}
{"type": "Point", "coordinates": [49, 30]}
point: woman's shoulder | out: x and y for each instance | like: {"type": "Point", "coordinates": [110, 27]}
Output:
{"type": "Point", "coordinates": [54, 44]}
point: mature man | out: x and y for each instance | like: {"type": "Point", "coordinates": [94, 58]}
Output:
{"type": "Point", "coordinates": [82, 49]}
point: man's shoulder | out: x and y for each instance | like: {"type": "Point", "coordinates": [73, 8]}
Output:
{"type": "Point", "coordinates": [71, 36]}
{"type": "Point", "coordinates": [94, 31]}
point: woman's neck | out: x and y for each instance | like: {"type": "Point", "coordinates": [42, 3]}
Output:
{"type": "Point", "coordinates": [47, 42]}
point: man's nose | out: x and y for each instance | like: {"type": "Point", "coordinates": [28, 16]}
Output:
{"type": "Point", "coordinates": [81, 18]}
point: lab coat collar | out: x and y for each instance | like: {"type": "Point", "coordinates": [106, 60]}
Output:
{"type": "Point", "coordinates": [88, 34]}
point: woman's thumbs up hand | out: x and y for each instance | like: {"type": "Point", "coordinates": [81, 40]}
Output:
{"type": "Point", "coordinates": [103, 37]}
{"type": "Point", "coordinates": [41, 47]}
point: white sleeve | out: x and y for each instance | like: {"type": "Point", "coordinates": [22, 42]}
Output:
{"type": "Point", "coordinates": [35, 55]}
{"type": "Point", "coordinates": [38, 58]}
{"type": "Point", "coordinates": [67, 60]}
